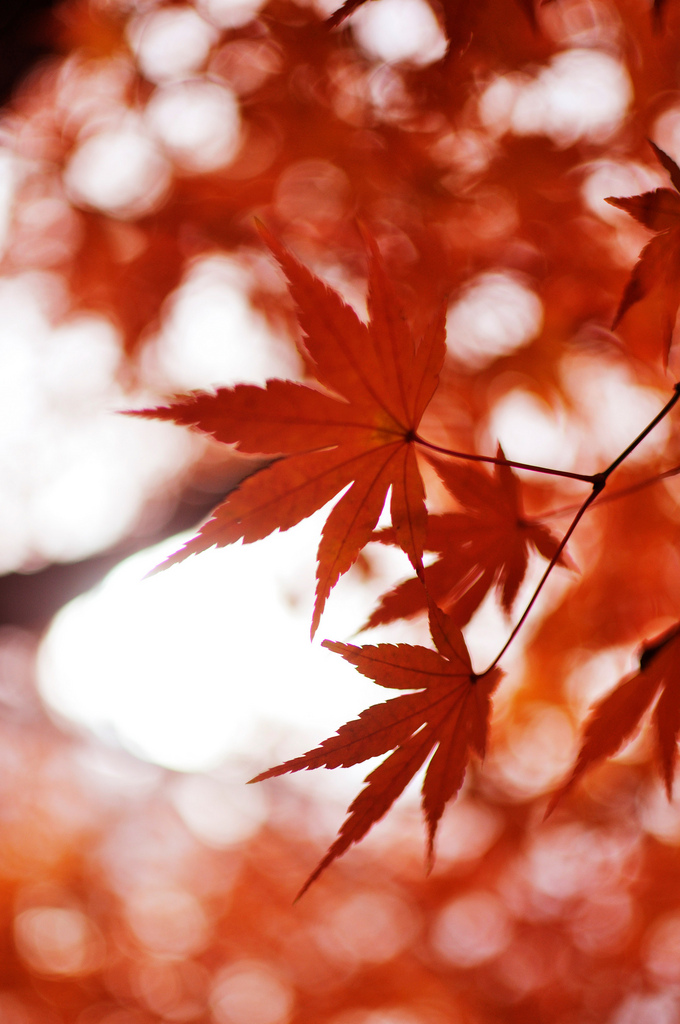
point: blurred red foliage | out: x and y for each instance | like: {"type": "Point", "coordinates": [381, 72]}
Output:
{"type": "Point", "coordinates": [123, 903]}
{"type": "Point", "coordinates": [479, 158]}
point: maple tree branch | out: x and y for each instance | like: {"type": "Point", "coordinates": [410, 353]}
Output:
{"type": "Point", "coordinates": [639, 486]}
{"type": "Point", "coordinates": [604, 499]}
{"type": "Point", "coordinates": [643, 433]}
{"type": "Point", "coordinates": [586, 477]}
{"type": "Point", "coordinates": [597, 488]}
{"type": "Point", "coordinates": [599, 481]}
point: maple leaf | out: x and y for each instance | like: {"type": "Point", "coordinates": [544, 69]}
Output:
{"type": "Point", "coordinates": [449, 711]}
{"type": "Point", "coordinates": [654, 285]}
{"type": "Point", "coordinates": [486, 545]}
{"type": "Point", "coordinates": [617, 716]}
{"type": "Point", "coordinates": [359, 431]}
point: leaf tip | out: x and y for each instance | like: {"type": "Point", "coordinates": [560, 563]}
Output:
{"type": "Point", "coordinates": [333, 852]}
{"type": "Point", "coordinates": [312, 878]}
{"type": "Point", "coordinates": [429, 850]}
{"type": "Point", "coordinates": [173, 559]}
{"type": "Point", "coordinates": [261, 227]}
{"type": "Point", "coordinates": [553, 802]}
{"type": "Point", "coordinates": [276, 247]}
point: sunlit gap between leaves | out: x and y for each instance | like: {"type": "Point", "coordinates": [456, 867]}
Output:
{"type": "Point", "coordinates": [211, 661]}
{"type": "Point", "coordinates": [73, 475]}
{"type": "Point", "coordinates": [211, 658]}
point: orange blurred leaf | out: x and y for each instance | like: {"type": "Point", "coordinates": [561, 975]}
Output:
{"type": "Point", "coordinates": [654, 283]}
{"type": "Point", "coordinates": [615, 719]}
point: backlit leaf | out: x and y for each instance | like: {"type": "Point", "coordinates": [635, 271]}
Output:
{"type": "Point", "coordinates": [448, 713]}
{"type": "Point", "coordinates": [360, 431]}
{"type": "Point", "coordinates": [486, 545]}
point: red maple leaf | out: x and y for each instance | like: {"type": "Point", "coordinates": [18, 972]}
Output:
{"type": "Point", "coordinates": [652, 296]}
{"type": "Point", "coordinates": [616, 718]}
{"type": "Point", "coordinates": [449, 711]}
{"type": "Point", "coordinates": [360, 430]}
{"type": "Point", "coordinates": [486, 545]}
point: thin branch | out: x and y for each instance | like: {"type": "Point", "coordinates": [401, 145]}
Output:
{"type": "Point", "coordinates": [605, 499]}
{"type": "Point", "coordinates": [504, 462]}
{"type": "Point", "coordinates": [597, 487]}
{"type": "Point", "coordinates": [643, 434]}
{"type": "Point", "coordinates": [639, 486]}
{"type": "Point", "coordinates": [599, 481]}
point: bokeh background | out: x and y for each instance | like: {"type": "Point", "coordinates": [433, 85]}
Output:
{"type": "Point", "coordinates": [141, 881]}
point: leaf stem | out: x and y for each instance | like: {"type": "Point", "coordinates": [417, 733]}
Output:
{"type": "Point", "coordinates": [587, 478]}
{"type": "Point", "coordinates": [605, 499]}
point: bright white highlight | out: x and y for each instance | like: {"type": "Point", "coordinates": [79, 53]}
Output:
{"type": "Point", "coordinates": [73, 473]}
{"type": "Point", "coordinates": [579, 94]}
{"type": "Point", "coordinates": [119, 171]}
{"type": "Point", "coordinates": [612, 178]}
{"type": "Point", "coordinates": [213, 336]}
{"type": "Point", "coordinates": [530, 431]}
{"type": "Point", "coordinates": [496, 315]}
{"type": "Point", "coordinates": [170, 43]}
{"type": "Point", "coordinates": [614, 409]}
{"type": "Point", "coordinates": [399, 30]}
{"type": "Point", "coordinates": [229, 13]}
{"type": "Point", "coordinates": [198, 122]}
{"type": "Point", "coordinates": [202, 660]}
{"type": "Point", "coordinates": [666, 134]}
